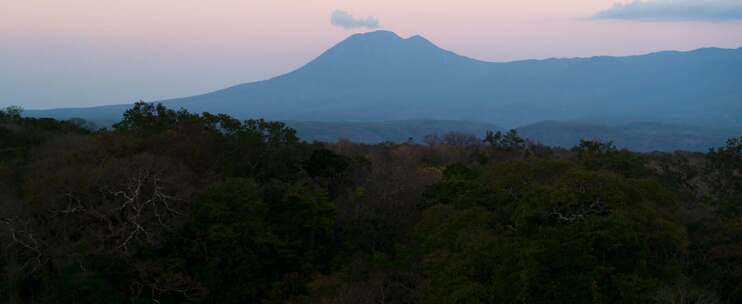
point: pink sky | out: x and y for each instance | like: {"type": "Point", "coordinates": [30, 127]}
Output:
{"type": "Point", "coordinates": [89, 52]}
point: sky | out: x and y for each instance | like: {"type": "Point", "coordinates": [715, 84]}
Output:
{"type": "Point", "coordinates": [94, 52]}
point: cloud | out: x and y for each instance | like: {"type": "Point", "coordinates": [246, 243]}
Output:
{"type": "Point", "coordinates": [675, 10]}
{"type": "Point", "coordinates": [346, 20]}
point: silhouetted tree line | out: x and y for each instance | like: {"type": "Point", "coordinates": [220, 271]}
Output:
{"type": "Point", "coordinates": [171, 207]}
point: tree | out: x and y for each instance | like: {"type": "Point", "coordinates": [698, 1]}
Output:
{"type": "Point", "coordinates": [232, 225]}
{"type": "Point", "coordinates": [172, 207]}
{"type": "Point", "coordinates": [546, 232]}
{"type": "Point", "coordinates": [147, 118]}
{"type": "Point", "coordinates": [723, 174]}
{"type": "Point", "coordinates": [12, 113]}
{"type": "Point", "coordinates": [505, 141]}
{"type": "Point", "coordinates": [597, 155]}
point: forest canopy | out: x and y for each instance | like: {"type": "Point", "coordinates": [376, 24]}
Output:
{"type": "Point", "coordinates": [170, 206]}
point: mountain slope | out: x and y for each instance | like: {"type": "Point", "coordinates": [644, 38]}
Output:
{"type": "Point", "coordinates": [388, 131]}
{"type": "Point", "coordinates": [639, 137]}
{"type": "Point", "coordinates": [380, 76]}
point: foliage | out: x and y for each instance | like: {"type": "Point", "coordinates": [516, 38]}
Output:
{"type": "Point", "coordinates": [171, 206]}
{"type": "Point", "coordinates": [724, 176]}
{"type": "Point", "coordinates": [596, 155]}
{"type": "Point", "coordinates": [508, 141]}
{"type": "Point", "coordinates": [567, 236]}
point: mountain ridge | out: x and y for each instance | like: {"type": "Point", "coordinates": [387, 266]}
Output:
{"type": "Point", "coordinates": [380, 76]}
{"type": "Point", "coordinates": [639, 136]}
{"type": "Point", "coordinates": [691, 51]}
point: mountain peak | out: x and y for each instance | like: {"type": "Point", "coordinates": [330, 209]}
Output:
{"type": "Point", "coordinates": [376, 35]}
{"type": "Point", "coordinates": [385, 38]}
{"type": "Point", "coordinates": [383, 43]}
{"type": "Point", "coordinates": [378, 51]}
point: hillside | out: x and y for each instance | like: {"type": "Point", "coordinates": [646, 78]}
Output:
{"type": "Point", "coordinates": [640, 137]}
{"type": "Point", "coordinates": [380, 76]}
{"type": "Point", "coordinates": [176, 207]}
{"type": "Point", "coordinates": [390, 131]}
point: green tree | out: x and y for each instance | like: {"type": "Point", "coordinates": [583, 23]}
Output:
{"type": "Point", "coordinates": [597, 155]}
{"type": "Point", "coordinates": [10, 114]}
{"type": "Point", "coordinates": [505, 141]}
{"type": "Point", "coordinates": [547, 232]}
{"type": "Point", "coordinates": [723, 174]}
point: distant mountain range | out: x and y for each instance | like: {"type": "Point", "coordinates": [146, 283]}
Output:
{"type": "Point", "coordinates": [640, 137]}
{"type": "Point", "coordinates": [388, 131]}
{"type": "Point", "coordinates": [381, 77]}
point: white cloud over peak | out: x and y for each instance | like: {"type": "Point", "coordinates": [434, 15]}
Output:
{"type": "Point", "coordinates": [346, 20]}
